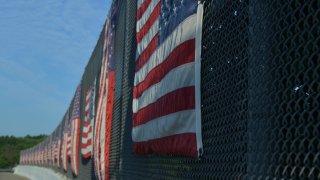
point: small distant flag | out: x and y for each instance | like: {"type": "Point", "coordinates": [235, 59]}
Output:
{"type": "Point", "coordinates": [66, 147]}
{"type": "Point", "coordinates": [75, 135]}
{"type": "Point", "coordinates": [59, 147]}
{"type": "Point", "coordinates": [87, 132]}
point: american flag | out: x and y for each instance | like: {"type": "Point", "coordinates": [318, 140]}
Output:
{"type": "Point", "coordinates": [56, 148]}
{"type": "Point", "coordinates": [97, 131]}
{"type": "Point", "coordinates": [52, 149]}
{"type": "Point", "coordinates": [75, 120]}
{"type": "Point", "coordinates": [87, 132]}
{"type": "Point", "coordinates": [38, 155]}
{"type": "Point", "coordinates": [166, 94]}
{"type": "Point", "coordinates": [69, 143]}
{"type": "Point", "coordinates": [45, 154]}
{"type": "Point", "coordinates": [66, 147]}
{"type": "Point", "coordinates": [59, 146]}
{"type": "Point", "coordinates": [58, 152]}
{"type": "Point", "coordinates": [42, 153]}
{"type": "Point", "coordinates": [105, 101]}
{"type": "Point", "coordinates": [32, 156]}
{"type": "Point", "coordinates": [47, 151]}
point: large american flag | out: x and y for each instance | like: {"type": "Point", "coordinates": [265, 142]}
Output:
{"type": "Point", "coordinates": [75, 133]}
{"type": "Point", "coordinates": [166, 94]}
{"type": "Point", "coordinates": [105, 101]}
{"type": "Point", "coordinates": [87, 132]}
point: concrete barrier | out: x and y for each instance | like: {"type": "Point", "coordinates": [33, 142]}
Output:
{"type": "Point", "coordinates": [38, 173]}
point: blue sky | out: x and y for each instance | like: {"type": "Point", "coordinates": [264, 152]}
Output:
{"type": "Point", "coordinates": [44, 48]}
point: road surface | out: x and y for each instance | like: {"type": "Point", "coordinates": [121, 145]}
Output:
{"type": "Point", "coordinates": [11, 176]}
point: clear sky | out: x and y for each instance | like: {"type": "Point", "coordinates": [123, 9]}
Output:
{"type": "Point", "coordinates": [44, 48]}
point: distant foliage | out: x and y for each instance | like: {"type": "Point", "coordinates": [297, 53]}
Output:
{"type": "Point", "coordinates": [10, 147]}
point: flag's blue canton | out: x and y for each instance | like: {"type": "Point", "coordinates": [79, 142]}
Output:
{"type": "Point", "coordinates": [111, 37]}
{"type": "Point", "coordinates": [76, 104]}
{"type": "Point", "coordinates": [173, 12]}
{"type": "Point", "coordinates": [67, 123]}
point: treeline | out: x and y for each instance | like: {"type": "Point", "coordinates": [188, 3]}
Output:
{"type": "Point", "coordinates": [10, 147]}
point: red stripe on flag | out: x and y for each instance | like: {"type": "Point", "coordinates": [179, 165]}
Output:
{"type": "Point", "coordinates": [145, 55]}
{"type": "Point", "coordinates": [87, 100]}
{"type": "Point", "coordinates": [180, 144]}
{"type": "Point", "coordinates": [88, 143]}
{"type": "Point", "coordinates": [86, 123]}
{"type": "Point", "coordinates": [88, 91]}
{"type": "Point", "coordinates": [110, 100]}
{"type": "Point", "coordinates": [87, 112]}
{"type": "Point", "coordinates": [87, 155]}
{"type": "Point", "coordinates": [144, 6]}
{"type": "Point", "coordinates": [153, 17]}
{"type": "Point", "coordinates": [178, 100]}
{"type": "Point", "coordinates": [75, 152]}
{"type": "Point", "coordinates": [182, 54]}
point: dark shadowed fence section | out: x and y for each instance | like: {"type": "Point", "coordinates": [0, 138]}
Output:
{"type": "Point", "coordinates": [260, 85]}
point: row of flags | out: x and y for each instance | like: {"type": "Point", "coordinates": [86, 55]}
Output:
{"type": "Point", "coordinates": [43, 154]}
{"type": "Point", "coordinates": [166, 109]}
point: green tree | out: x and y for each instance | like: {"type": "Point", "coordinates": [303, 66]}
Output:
{"type": "Point", "coordinates": [11, 146]}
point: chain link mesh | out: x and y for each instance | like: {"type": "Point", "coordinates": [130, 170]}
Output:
{"type": "Point", "coordinates": [284, 87]}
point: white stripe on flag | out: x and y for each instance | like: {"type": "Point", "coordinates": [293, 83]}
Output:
{"type": "Point", "coordinates": [86, 150]}
{"type": "Point", "coordinates": [172, 124]}
{"type": "Point", "coordinates": [102, 135]}
{"type": "Point", "coordinates": [139, 3]}
{"type": "Point", "coordinates": [75, 145]}
{"type": "Point", "coordinates": [198, 78]}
